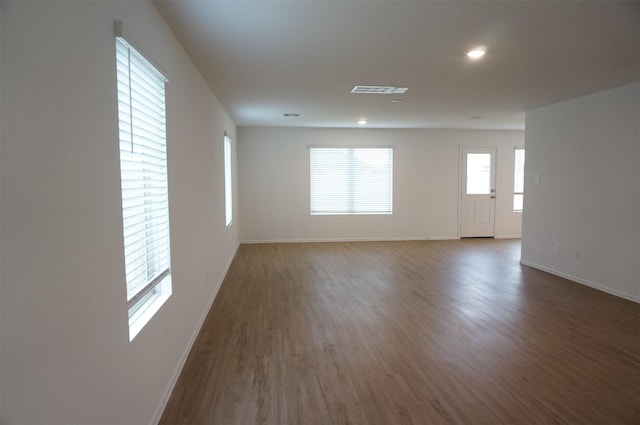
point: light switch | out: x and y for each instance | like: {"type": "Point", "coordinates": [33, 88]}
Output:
{"type": "Point", "coordinates": [536, 178]}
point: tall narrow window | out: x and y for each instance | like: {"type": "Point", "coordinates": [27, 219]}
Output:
{"type": "Point", "coordinates": [228, 186]}
{"type": "Point", "coordinates": [518, 179]}
{"type": "Point", "coordinates": [351, 180]}
{"type": "Point", "coordinates": [143, 171]}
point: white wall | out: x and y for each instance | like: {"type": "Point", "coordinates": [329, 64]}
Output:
{"type": "Point", "coordinates": [586, 152]}
{"type": "Point", "coordinates": [66, 356]}
{"type": "Point", "coordinates": [274, 184]}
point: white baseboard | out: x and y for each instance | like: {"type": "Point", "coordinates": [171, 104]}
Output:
{"type": "Point", "coordinates": [395, 239]}
{"type": "Point", "coordinates": [508, 237]}
{"type": "Point", "coordinates": [183, 358]}
{"type": "Point", "coordinates": [583, 281]}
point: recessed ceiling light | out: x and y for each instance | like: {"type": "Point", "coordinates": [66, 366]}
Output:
{"type": "Point", "coordinates": [477, 53]}
{"type": "Point", "coordinates": [362, 122]}
{"type": "Point", "coordinates": [379, 90]}
{"type": "Point", "coordinates": [396, 100]}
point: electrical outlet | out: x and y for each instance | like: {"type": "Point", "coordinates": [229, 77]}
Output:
{"type": "Point", "coordinates": [578, 254]}
{"type": "Point", "coordinates": [556, 248]}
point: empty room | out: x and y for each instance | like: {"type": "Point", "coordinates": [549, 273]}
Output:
{"type": "Point", "coordinates": [288, 212]}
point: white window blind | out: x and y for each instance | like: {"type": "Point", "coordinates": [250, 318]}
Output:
{"type": "Point", "coordinates": [228, 187]}
{"type": "Point", "coordinates": [351, 180]}
{"type": "Point", "coordinates": [143, 169]}
{"type": "Point", "coordinates": [518, 179]}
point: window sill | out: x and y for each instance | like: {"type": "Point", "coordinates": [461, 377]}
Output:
{"type": "Point", "coordinates": [149, 307]}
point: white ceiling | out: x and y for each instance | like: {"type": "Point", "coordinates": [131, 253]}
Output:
{"type": "Point", "coordinates": [269, 57]}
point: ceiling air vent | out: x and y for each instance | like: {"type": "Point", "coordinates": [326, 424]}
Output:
{"type": "Point", "coordinates": [379, 89]}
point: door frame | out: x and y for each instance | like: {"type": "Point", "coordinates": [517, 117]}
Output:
{"type": "Point", "coordinates": [462, 149]}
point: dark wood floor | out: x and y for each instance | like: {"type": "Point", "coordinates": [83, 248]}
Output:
{"type": "Point", "coordinates": [423, 332]}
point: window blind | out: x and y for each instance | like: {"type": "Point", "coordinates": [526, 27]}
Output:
{"type": "Point", "coordinates": [518, 180]}
{"type": "Point", "coordinates": [143, 169]}
{"type": "Point", "coordinates": [228, 187]}
{"type": "Point", "coordinates": [351, 180]}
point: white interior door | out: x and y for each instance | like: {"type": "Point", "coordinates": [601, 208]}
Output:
{"type": "Point", "coordinates": [478, 193]}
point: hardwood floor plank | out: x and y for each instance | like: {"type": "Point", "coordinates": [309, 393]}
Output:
{"type": "Point", "coordinates": [420, 332]}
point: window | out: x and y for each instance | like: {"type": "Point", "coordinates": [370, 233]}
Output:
{"type": "Point", "coordinates": [518, 179]}
{"type": "Point", "coordinates": [143, 172]}
{"type": "Point", "coordinates": [351, 180]}
{"type": "Point", "coordinates": [479, 173]}
{"type": "Point", "coordinates": [228, 187]}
